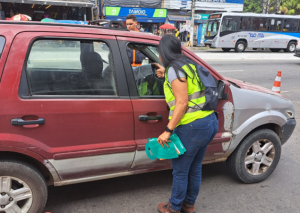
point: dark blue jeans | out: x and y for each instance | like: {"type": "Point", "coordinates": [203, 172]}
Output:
{"type": "Point", "coordinates": [187, 168]}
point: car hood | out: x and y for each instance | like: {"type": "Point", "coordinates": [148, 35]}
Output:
{"type": "Point", "coordinates": [253, 87]}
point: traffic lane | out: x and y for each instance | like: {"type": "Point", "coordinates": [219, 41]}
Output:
{"type": "Point", "coordinates": [263, 73]}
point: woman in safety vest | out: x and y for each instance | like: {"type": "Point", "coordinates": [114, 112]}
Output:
{"type": "Point", "coordinates": [184, 93]}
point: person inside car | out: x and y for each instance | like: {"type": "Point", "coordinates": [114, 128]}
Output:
{"type": "Point", "coordinates": [136, 57]}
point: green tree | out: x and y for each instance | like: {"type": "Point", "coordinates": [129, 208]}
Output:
{"type": "Point", "coordinates": [256, 6]}
{"type": "Point", "coordinates": [290, 7]}
{"type": "Point", "coordinates": [253, 6]}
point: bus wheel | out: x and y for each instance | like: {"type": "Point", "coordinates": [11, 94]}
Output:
{"type": "Point", "coordinates": [240, 46]}
{"type": "Point", "coordinates": [291, 47]}
{"type": "Point", "coordinates": [275, 50]}
{"type": "Point", "coordinates": [226, 49]}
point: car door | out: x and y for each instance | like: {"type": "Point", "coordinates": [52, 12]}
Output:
{"type": "Point", "coordinates": [144, 106]}
{"type": "Point", "coordinates": [154, 106]}
{"type": "Point", "coordinates": [68, 102]}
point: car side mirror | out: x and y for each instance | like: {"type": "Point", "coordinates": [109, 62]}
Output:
{"type": "Point", "coordinates": [221, 91]}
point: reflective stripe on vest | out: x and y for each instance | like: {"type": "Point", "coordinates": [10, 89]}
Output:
{"type": "Point", "coordinates": [191, 97]}
{"type": "Point", "coordinates": [133, 60]}
{"type": "Point", "coordinates": [196, 96]}
{"type": "Point", "coordinates": [189, 110]}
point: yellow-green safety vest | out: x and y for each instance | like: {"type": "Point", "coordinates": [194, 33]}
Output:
{"type": "Point", "coordinates": [144, 90]}
{"type": "Point", "coordinates": [196, 96]}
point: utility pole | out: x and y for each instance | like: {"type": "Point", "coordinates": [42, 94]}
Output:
{"type": "Point", "coordinates": [192, 23]}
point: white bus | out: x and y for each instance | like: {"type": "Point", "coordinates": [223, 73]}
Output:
{"type": "Point", "coordinates": [239, 31]}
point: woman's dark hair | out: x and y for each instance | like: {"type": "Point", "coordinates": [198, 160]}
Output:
{"type": "Point", "coordinates": [170, 52]}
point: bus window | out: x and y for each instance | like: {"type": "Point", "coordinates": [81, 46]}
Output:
{"type": "Point", "coordinates": [279, 25]}
{"type": "Point", "coordinates": [271, 24]}
{"type": "Point", "coordinates": [245, 23]}
{"type": "Point", "coordinates": [213, 27]}
{"type": "Point", "coordinates": [293, 25]}
{"type": "Point", "coordinates": [298, 26]}
{"type": "Point", "coordinates": [255, 23]}
{"type": "Point", "coordinates": [287, 25]}
{"type": "Point", "coordinates": [263, 24]}
{"type": "Point", "coordinates": [229, 24]}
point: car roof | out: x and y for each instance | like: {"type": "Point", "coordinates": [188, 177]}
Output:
{"type": "Point", "coordinates": [32, 26]}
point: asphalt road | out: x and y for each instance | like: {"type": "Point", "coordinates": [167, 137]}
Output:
{"type": "Point", "coordinates": [219, 191]}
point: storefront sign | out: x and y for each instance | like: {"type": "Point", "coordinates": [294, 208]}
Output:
{"type": "Point", "coordinates": [201, 16]}
{"type": "Point", "coordinates": [138, 12]}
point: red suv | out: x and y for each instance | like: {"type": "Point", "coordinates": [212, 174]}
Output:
{"type": "Point", "coordinates": [73, 110]}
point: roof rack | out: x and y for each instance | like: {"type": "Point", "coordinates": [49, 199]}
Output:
{"type": "Point", "coordinates": [108, 23]}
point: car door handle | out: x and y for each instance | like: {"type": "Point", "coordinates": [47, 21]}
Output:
{"type": "Point", "coordinates": [21, 122]}
{"type": "Point", "coordinates": [148, 118]}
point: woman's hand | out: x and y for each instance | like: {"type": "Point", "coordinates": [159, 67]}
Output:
{"type": "Point", "coordinates": [164, 139]}
{"type": "Point", "coordinates": [160, 70]}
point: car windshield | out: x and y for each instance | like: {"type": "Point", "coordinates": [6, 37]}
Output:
{"type": "Point", "coordinates": [213, 27]}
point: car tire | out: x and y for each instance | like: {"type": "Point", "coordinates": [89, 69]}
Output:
{"type": "Point", "coordinates": [274, 50]}
{"type": "Point", "coordinates": [291, 47]}
{"type": "Point", "coordinates": [249, 163]}
{"type": "Point", "coordinates": [240, 46]}
{"type": "Point", "coordinates": [21, 177]}
{"type": "Point", "coordinates": [226, 49]}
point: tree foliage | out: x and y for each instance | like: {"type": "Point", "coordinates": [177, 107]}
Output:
{"type": "Point", "coordinates": [290, 7]}
{"type": "Point", "coordinates": [253, 6]}
{"type": "Point", "coordinates": [287, 7]}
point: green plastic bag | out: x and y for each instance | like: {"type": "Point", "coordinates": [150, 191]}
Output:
{"type": "Point", "coordinates": [155, 150]}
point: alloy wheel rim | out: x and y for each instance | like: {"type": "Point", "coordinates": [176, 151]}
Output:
{"type": "Point", "coordinates": [292, 47]}
{"type": "Point", "coordinates": [259, 157]}
{"type": "Point", "coordinates": [15, 195]}
{"type": "Point", "coordinates": [240, 47]}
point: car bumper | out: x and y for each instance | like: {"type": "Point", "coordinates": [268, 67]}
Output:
{"type": "Point", "coordinates": [287, 130]}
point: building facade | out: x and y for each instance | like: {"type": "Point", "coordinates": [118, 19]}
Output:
{"type": "Point", "coordinates": [40, 9]}
{"type": "Point", "coordinates": [150, 14]}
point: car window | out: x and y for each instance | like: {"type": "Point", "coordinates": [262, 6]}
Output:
{"type": "Point", "coordinates": [2, 42]}
{"type": "Point", "coordinates": [140, 57]}
{"type": "Point", "coordinates": [70, 67]}
{"type": "Point", "coordinates": [154, 50]}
